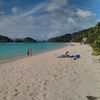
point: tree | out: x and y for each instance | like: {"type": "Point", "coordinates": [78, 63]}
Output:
{"type": "Point", "coordinates": [5, 39]}
{"type": "Point", "coordinates": [28, 39]}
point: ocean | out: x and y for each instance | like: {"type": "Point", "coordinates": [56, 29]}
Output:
{"type": "Point", "coordinates": [14, 50]}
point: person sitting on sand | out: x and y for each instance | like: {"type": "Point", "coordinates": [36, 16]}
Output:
{"type": "Point", "coordinates": [67, 53]}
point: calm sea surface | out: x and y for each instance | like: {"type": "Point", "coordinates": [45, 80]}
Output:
{"type": "Point", "coordinates": [13, 50]}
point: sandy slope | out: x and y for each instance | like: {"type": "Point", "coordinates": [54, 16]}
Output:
{"type": "Point", "coordinates": [47, 77]}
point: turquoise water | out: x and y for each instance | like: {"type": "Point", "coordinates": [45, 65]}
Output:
{"type": "Point", "coordinates": [13, 50]}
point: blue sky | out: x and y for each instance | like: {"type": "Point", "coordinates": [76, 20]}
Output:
{"type": "Point", "coordinates": [43, 19]}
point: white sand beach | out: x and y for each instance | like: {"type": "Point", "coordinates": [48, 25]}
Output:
{"type": "Point", "coordinates": [47, 77]}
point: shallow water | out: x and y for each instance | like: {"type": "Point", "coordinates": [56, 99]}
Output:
{"type": "Point", "coordinates": [13, 50]}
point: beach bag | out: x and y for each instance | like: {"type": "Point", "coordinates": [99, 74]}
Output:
{"type": "Point", "coordinates": [77, 56]}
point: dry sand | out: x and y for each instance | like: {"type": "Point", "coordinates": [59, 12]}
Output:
{"type": "Point", "coordinates": [47, 77]}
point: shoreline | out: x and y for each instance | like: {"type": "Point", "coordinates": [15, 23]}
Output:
{"type": "Point", "coordinates": [34, 54]}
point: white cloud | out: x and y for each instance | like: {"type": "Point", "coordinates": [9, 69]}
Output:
{"type": "Point", "coordinates": [2, 13]}
{"type": "Point", "coordinates": [30, 18]}
{"type": "Point", "coordinates": [55, 24]}
{"type": "Point", "coordinates": [56, 5]}
{"type": "Point", "coordinates": [14, 10]}
{"type": "Point", "coordinates": [70, 20]}
{"type": "Point", "coordinates": [32, 11]}
{"type": "Point", "coordinates": [83, 13]}
{"type": "Point", "coordinates": [53, 34]}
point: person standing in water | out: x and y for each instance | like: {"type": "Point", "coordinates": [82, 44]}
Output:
{"type": "Point", "coordinates": [29, 52]}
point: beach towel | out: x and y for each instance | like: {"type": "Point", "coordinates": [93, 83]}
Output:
{"type": "Point", "coordinates": [62, 56]}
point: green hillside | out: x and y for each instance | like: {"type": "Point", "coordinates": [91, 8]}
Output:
{"type": "Point", "coordinates": [91, 36]}
{"type": "Point", "coordinates": [5, 39]}
{"type": "Point", "coordinates": [63, 38]}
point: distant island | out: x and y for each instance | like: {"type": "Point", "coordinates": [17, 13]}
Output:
{"type": "Point", "coordinates": [5, 39]}
{"type": "Point", "coordinates": [25, 40]}
{"type": "Point", "coordinates": [90, 36]}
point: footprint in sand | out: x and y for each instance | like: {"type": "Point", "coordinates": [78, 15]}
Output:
{"type": "Point", "coordinates": [33, 98]}
{"type": "Point", "coordinates": [55, 76]}
{"type": "Point", "coordinates": [18, 84]}
{"type": "Point", "coordinates": [44, 95]}
{"type": "Point", "coordinates": [92, 98]}
{"type": "Point", "coordinates": [4, 98]}
{"type": "Point", "coordinates": [16, 92]}
{"type": "Point", "coordinates": [45, 85]}
{"type": "Point", "coordinates": [46, 82]}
